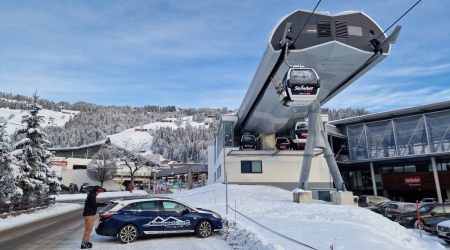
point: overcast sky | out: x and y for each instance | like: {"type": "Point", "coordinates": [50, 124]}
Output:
{"type": "Point", "coordinates": [201, 53]}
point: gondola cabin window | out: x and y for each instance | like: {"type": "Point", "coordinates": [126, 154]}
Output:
{"type": "Point", "coordinates": [251, 167]}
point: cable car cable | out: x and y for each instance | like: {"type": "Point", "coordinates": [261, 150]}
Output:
{"type": "Point", "coordinates": [306, 22]}
{"type": "Point", "coordinates": [399, 18]}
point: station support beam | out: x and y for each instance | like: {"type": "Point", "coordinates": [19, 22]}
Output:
{"type": "Point", "coordinates": [317, 138]}
{"type": "Point", "coordinates": [436, 180]}
{"type": "Point", "coordinates": [374, 184]}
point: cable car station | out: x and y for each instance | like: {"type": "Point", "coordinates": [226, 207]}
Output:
{"type": "Point", "coordinates": [318, 55]}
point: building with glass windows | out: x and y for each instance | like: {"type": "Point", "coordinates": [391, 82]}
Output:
{"type": "Point", "coordinates": [400, 153]}
{"type": "Point", "coordinates": [264, 166]}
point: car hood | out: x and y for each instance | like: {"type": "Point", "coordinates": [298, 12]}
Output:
{"type": "Point", "coordinates": [202, 210]}
{"type": "Point", "coordinates": [435, 221]}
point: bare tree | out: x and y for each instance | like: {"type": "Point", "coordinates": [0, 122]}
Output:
{"type": "Point", "coordinates": [131, 155]}
{"type": "Point", "coordinates": [102, 167]}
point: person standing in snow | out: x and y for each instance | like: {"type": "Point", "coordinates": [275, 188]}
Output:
{"type": "Point", "coordinates": [90, 209]}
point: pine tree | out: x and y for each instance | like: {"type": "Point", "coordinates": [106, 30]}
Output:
{"type": "Point", "coordinates": [8, 171]}
{"type": "Point", "coordinates": [32, 157]}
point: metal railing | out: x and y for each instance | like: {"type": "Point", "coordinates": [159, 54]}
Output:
{"type": "Point", "coordinates": [26, 205]}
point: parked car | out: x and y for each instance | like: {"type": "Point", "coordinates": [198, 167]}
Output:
{"type": "Point", "coordinates": [64, 187]}
{"type": "Point", "coordinates": [426, 211]}
{"type": "Point", "coordinates": [428, 201]}
{"type": "Point", "coordinates": [380, 207]}
{"type": "Point", "coordinates": [430, 225]}
{"type": "Point", "coordinates": [443, 231]}
{"type": "Point", "coordinates": [83, 187]}
{"type": "Point", "coordinates": [371, 200]}
{"type": "Point", "coordinates": [283, 143]}
{"type": "Point", "coordinates": [155, 215]}
{"type": "Point", "coordinates": [394, 209]}
{"type": "Point", "coordinates": [89, 189]}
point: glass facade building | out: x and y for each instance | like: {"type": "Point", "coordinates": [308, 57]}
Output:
{"type": "Point", "coordinates": [400, 137]}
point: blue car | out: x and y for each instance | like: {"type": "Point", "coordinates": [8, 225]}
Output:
{"type": "Point", "coordinates": [130, 218]}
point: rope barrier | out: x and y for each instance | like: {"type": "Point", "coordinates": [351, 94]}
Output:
{"type": "Point", "coordinates": [295, 241]}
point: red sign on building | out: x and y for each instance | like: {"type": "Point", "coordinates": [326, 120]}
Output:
{"type": "Point", "coordinates": [60, 163]}
{"type": "Point", "coordinates": [413, 181]}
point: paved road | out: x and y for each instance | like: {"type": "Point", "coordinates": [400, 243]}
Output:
{"type": "Point", "coordinates": [64, 231]}
{"type": "Point", "coordinates": [48, 233]}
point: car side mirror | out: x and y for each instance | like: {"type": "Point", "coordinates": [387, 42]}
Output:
{"type": "Point", "coordinates": [433, 213]}
{"type": "Point", "coordinates": [185, 211]}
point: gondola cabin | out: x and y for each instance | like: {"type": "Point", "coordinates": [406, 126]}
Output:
{"type": "Point", "coordinates": [248, 141]}
{"type": "Point", "coordinates": [299, 134]}
{"type": "Point", "coordinates": [301, 86]}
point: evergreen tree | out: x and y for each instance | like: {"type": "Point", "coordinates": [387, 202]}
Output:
{"type": "Point", "coordinates": [32, 157]}
{"type": "Point", "coordinates": [8, 171]}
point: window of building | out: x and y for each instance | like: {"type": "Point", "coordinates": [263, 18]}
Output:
{"type": "Point", "coordinates": [79, 166]}
{"type": "Point", "coordinates": [398, 169]}
{"type": "Point", "coordinates": [410, 168]}
{"type": "Point", "coordinates": [219, 171]}
{"type": "Point", "coordinates": [371, 32]}
{"type": "Point", "coordinates": [251, 167]}
{"type": "Point", "coordinates": [324, 195]}
{"type": "Point", "coordinates": [387, 170]}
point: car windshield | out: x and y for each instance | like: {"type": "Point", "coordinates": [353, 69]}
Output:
{"type": "Point", "coordinates": [380, 204]}
{"type": "Point", "coordinates": [282, 140]}
{"type": "Point", "coordinates": [425, 208]}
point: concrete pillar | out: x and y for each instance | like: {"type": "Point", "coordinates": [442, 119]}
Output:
{"type": "Point", "coordinates": [374, 184]}
{"type": "Point", "coordinates": [267, 141]}
{"type": "Point", "coordinates": [448, 193]}
{"type": "Point", "coordinates": [436, 180]}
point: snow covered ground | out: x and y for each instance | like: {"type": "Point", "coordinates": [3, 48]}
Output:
{"type": "Point", "coordinates": [136, 137]}
{"type": "Point", "coordinates": [50, 117]}
{"type": "Point", "coordinates": [319, 225]}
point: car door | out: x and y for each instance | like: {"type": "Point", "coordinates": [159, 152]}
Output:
{"type": "Point", "coordinates": [149, 217]}
{"type": "Point", "coordinates": [177, 221]}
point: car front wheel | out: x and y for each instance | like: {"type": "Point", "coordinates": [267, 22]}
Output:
{"type": "Point", "coordinates": [203, 229]}
{"type": "Point", "coordinates": [128, 233]}
{"type": "Point", "coordinates": [416, 224]}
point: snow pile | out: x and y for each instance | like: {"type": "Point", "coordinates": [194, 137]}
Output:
{"type": "Point", "coordinates": [318, 225]}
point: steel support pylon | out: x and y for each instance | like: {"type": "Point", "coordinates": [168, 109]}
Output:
{"type": "Point", "coordinates": [317, 138]}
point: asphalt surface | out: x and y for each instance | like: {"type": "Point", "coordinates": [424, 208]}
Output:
{"type": "Point", "coordinates": [48, 233]}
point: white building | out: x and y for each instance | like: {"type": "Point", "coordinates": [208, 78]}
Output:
{"type": "Point", "coordinates": [265, 166]}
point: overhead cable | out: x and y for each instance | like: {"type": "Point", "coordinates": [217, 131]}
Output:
{"type": "Point", "coordinates": [399, 19]}
{"type": "Point", "coordinates": [306, 21]}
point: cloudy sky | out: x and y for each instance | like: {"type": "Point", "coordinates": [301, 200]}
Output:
{"type": "Point", "coordinates": [201, 53]}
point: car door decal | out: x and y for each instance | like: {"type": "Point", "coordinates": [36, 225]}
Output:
{"type": "Point", "coordinates": [169, 222]}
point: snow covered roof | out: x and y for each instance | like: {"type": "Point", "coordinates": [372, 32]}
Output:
{"type": "Point", "coordinates": [98, 143]}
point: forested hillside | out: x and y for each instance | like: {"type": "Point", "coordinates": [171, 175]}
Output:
{"type": "Point", "coordinates": [95, 122]}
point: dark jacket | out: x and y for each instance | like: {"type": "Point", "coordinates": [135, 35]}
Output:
{"type": "Point", "coordinates": [91, 205]}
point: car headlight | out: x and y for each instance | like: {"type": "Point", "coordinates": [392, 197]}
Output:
{"type": "Point", "coordinates": [217, 216]}
{"type": "Point", "coordinates": [409, 218]}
